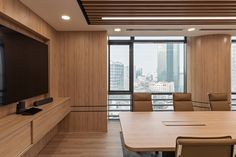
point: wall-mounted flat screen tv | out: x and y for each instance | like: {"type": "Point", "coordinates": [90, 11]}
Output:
{"type": "Point", "coordinates": [23, 66]}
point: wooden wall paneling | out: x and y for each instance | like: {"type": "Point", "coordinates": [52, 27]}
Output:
{"type": "Point", "coordinates": [84, 79]}
{"type": "Point", "coordinates": [19, 13]}
{"type": "Point", "coordinates": [54, 60]}
{"type": "Point", "coordinates": [208, 62]}
{"type": "Point", "coordinates": [89, 109]}
{"type": "Point", "coordinates": [78, 61]}
{"type": "Point", "coordinates": [85, 121]}
{"type": "Point", "coordinates": [20, 18]}
{"type": "Point", "coordinates": [84, 70]}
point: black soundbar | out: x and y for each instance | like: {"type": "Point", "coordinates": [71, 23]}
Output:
{"type": "Point", "coordinates": [43, 101]}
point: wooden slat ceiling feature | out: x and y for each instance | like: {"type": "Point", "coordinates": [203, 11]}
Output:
{"type": "Point", "coordinates": [94, 10]}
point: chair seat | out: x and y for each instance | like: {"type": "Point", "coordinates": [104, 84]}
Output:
{"type": "Point", "coordinates": [205, 146]}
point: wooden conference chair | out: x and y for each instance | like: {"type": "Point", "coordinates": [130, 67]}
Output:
{"type": "Point", "coordinates": [182, 102]}
{"type": "Point", "coordinates": [205, 146]}
{"type": "Point", "coordinates": [219, 102]}
{"type": "Point", "coordinates": [142, 102]}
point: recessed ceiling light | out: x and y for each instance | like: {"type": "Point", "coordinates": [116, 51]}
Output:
{"type": "Point", "coordinates": [117, 29]}
{"type": "Point", "coordinates": [171, 18]}
{"type": "Point", "coordinates": [191, 29]}
{"type": "Point", "coordinates": [65, 17]}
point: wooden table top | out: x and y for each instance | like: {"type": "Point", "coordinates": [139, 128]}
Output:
{"type": "Point", "coordinates": [157, 131]}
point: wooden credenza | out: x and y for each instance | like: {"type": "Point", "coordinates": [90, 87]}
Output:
{"type": "Point", "coordinates": [20, 133]}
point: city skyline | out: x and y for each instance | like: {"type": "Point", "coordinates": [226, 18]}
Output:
{"type": "Point", "coordinates": [157, 67]}
{"type": "Point", "coordinates": [146, 51]}
{"type": "Point", "coordinates": [141, 73]}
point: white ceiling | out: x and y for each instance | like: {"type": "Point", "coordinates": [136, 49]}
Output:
{"type": "Point", "coordinates": [51, 11]}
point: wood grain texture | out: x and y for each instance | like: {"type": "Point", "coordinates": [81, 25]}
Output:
{"type": "Point", "coordinates": [147, 132]}
{"type": "Point", "coordinates": [77, 60]}
{"type": "Point", "coordinates": [84, 68]}
{"type": "Point", "coordinates": [18, 141]}
{"type": "Point", "coordinates": [75, 144]}
{"type": "Point", "coordinates": [11, 108]}
{"type": "Point", "coordinates": [43, 124]}
{"type": "Point", "coordinates": [208, 62]}
{"type": "Point", "coordinates": [20, 18]}
{"type": "Point", "coordinates": [10, 123]}
{"type": "Point", "coordinates": [21, 133]}
{"type": "Point", "coordinates": [95, 10]}
{"type": "Point", "coordinates": [83, 78]}
{"type": "Point", "coordinates": [18, 13]}
{"type": "Point", "coordinates": [85, 122]}
{"type": "Point", "coordinates": [37, 147]}
{"type": "Point", "coordinates": [89, 109]}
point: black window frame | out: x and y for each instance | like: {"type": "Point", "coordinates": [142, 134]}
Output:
{"type": "Point", "coordinates": [121, 42]}
{"type": "Point", "coordinates": [131, 43]}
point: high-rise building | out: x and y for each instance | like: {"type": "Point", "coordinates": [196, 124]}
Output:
{"type": "Point", "coordinates": [170, 62]}
{"type": "Point", "coordinates": [173, 67]}
{"type": "Point", "coordinates": [116, 76]}
{"type": "Point", "coordinates": [138, 72]}
{"type": "Point", "coordinates": [126, 76]}
{"type": "Point", "coordinates": [161, 62]}
{"type": "Point", "coordinates": [168, 67]}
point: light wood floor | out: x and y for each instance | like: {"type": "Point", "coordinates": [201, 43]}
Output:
{"type": "Point", "coordinates": [86, 144]}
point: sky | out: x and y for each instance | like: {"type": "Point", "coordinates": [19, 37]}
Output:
{"type": "Point", "coordinates": [145, 56]}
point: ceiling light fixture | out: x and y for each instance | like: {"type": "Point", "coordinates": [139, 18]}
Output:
{"type": "Point", "coordinates": [65, 17]}
{"type": "Point", "coordinates": [117, 29]}
{"type": "Point", "coordinates": [191, 29]}
{"type": "Point", "coordinates": [170, 18]}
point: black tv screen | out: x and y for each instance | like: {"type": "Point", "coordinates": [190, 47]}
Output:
{"type": "Point", "coordinates": [23, 66]}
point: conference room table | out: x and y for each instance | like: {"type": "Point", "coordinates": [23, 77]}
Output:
{"type": "Point", "coordinates": [157, 131]}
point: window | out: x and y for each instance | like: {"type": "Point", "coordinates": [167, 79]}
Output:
{"type": "Point", "coordinates": [118, 103]}
{"type": "Point", "coordinates": [145, 64]}
{"type": "Point", "coordinates": [119, 67]}
{"type": "Point", "coordinates": [233, 73]}
{"type": "Point", "coordinates": [158, 67]}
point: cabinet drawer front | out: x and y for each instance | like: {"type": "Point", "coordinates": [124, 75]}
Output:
{"type": "Point", "coordinates": [15, 143]}
{"type": "Point", "coordinates": [47, 121]}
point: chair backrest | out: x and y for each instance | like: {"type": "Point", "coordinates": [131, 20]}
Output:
{"type": "Point", "coordinates": [219, 102]}
{"type": "Point", "coordinates": [142, 102]}
{"type": "Point", "coordinates": [182, 102]}
{"type": "Point", "coordinates": [205, 146]}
